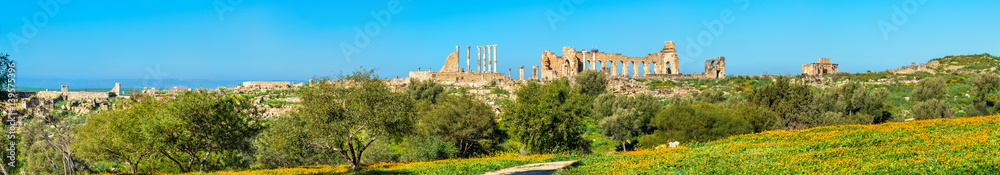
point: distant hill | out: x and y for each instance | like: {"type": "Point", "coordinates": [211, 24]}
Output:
{"type": "Point", "coordinates": [961, 64]}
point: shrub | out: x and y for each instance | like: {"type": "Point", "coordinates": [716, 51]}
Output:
{"type": "Point", "coordinates": [931, 88]}
{"type": "Point", "coordinates": [698, 122]}
{"type": "Point", "coordinates": [932, 109]}
{"type": "Point", "coordinates": [426, 149]}
{"type": "Point", "coordinates": [591, 82]}
{"type": "Point", "coordinates": [548, 118]}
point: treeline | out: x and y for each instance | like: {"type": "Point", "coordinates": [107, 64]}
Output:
{"type": "Point", "coordinates": [363, 120]}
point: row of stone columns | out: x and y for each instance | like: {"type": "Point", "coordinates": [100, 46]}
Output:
{"type": "Point", "coordinates": [487, 58]}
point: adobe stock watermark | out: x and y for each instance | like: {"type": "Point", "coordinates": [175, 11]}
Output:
{"type": "Point", "coordinates": [362, 38]}
{"type": "Point", "coordinates": [713, 29]}
{"type": "Point", "coordinates": [566, 8]}
{"type": "Point", "coordinates": [10, 73]}
{"type": "Point", "coordinates": [224, 6]}
{"type": "Point", "coordinates": [50, 8]}
{"type": "Point", "coordinates": [155, 75]}
{"type": "Point", "coordinates": [900, 15]}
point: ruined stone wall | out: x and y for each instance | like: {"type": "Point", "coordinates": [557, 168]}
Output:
{"type": "Point", "coordinates": [458, 77]}
{"type": "Point", "coordinates": [87, 95]}
{"type": "Point", "coordinates": [715, 68]}
{"type": "Point", "coordinates": [451, 63]}
{"type": "Point", "coordinates": [573, 62]}
{"type": "Point", "coordinates": [50, 95]}
{"type": "Point", "coordinates": [914, 68]}
{"type": "Point", "coordinates": [822, 67]}
{"type": "Point", "coordinates": [266, 84]}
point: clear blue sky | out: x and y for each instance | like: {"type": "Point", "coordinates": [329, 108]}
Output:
{"type": "Point", "coordinates": [295, 40]}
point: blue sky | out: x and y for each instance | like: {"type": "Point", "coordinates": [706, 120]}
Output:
{"type": "Point", "coordinates": [296, 40]}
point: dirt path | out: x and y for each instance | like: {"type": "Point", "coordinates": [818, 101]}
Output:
{"type": "Point", "coordinates": [534, 169]}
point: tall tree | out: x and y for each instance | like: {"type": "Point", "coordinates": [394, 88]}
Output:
{"type": "Point", "coordinates": [592, 82]}
{"type": "Point", "coordinates": [198, 123]}
{"type": "Point", "coordinates": [349, 119]}
{"type": "Point", "coordinates": [982, 86]}
{"type": "Point", "coordinates": [931, 88]}
{"type": "Point", "coordinates": [130, 142]}
{"type": "Point", "coordinates": [469, 124]}
{"type": "Point", "coordinates": [790, 102]}
{"type": "Point", "coordinates": [548, 118]}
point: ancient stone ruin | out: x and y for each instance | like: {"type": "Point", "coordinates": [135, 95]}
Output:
{"type": "Point", "coordinates": [822, 67]}
{"type": "Point", "coordinates": [662, 64]}
{"type": "Point", "coordinates": [615, 64]}
{"type": "Point", "coordinates": [486, 67]}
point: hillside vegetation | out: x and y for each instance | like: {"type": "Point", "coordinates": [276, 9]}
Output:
{"type": "Point", "coordinates": [955, 145]}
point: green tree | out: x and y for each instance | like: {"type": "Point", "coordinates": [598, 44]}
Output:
{"type": "Point", "coordinates": [130, 142]}
{"type": "Point", "coordinates": [790, 102]}
{"type": "Point", "coordinates": [591, 82]}
{"type": "Point", "coordinates": [645, 105]}
{"type": "Point", "coordinates": [930, 88]}
{"type": "Point", "coordinates": [932, 109]}
{"type": "Point", "coordinates": [282, 144]}
{"type": "Point", "coordinates": [622, 126]}
{"type": "Point", "coordinates": [710, 96]}
{"type": "Point", "coordinates": [348, 120]}
{"type": "Point", "coordinates": [547, 118]}
{"type": "Point", "coordinates": [982, 86]}
{"type": "Point", "coordinates": [424, 90]}
{"type": "Point", "coordinates": [461, 120]}
{"type": "Point", "coordinates": [698, 122]}
{"type": "Point", "coordinates": [45, 144]}
{"type": "Point", "coordinates": [834, 105]}
{"type": "Point", "coordinates": [198, 123]}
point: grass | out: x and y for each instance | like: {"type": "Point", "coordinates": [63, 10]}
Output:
{"type": "Point", "coordinates": [448, 166]}
{"type": "Point", "coordinates": [941, 146]}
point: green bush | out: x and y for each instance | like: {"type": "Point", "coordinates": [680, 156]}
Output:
{"type": "Point", "coordinates": [591, 82]}
{"type": "Point", "coordinates": [697, 122]}
{"type": "Point", "coordinates": [548, 118]}
{"type": "Point", "coordinates": [426, 149]}
{"type": "Point", "coordinates": [930, 88]}
{"type": "Point", "coordinates": [932, 109]}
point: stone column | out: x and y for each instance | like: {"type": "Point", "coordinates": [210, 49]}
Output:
{"type": "Point", "coordinates": [495, 58]}
{"type": "Point", "coordinates": [645, 68]}
{"type": "Point", "coordinates": [625, 69]}
{"type": "Point", "coordinates": [509, 74]}
{"type": "Point", "coordinates": [468, 57]}
{"type": "Point", "coordinates": [534, 72]}
{"type": "Point", "coordinates": [479, 59]}
{"type": "Point", "coordinates": [593, 58]}
{"type": "Point", "coordinates": [522, 72]}
{"type": "Point", "coordinates": [614, 68]}
{"type": "Point", "coordinates": [489, 59]}
{"type": "Point", "coordinates": [635, 70]}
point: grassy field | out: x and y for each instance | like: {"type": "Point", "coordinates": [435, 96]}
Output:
{"type": "Point", "coordinates": [942, 146]}
{"type": "Point", "coordinates": [449, 166]}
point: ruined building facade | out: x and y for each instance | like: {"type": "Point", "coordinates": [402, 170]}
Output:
{"type": "Point", "coordinates": [615, 64]}
{"type": "Point", "coordinates": [452, 72]}
{"type": "Point", "coordinates": [822, 67]}
{"type": "Point", "coordinates": [662, 64]}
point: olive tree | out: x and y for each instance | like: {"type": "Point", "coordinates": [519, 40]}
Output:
{"type": "Point", "coordinates": [347, 120]}
{"type": "Point", "coordinates": [547, 118]}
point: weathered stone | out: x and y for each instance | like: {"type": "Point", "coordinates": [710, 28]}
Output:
{"type": "Point", "coordinates": [572, 62]}
{"type": "Point", "coordinates": [822, 67]}
{"type": "Point", "coordinates": [451, 63]}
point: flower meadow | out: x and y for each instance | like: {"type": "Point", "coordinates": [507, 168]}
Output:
{"type": "Point", "coordinates": [941, 146]}
{"type": "Point", "coordinates": [447, 166]}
